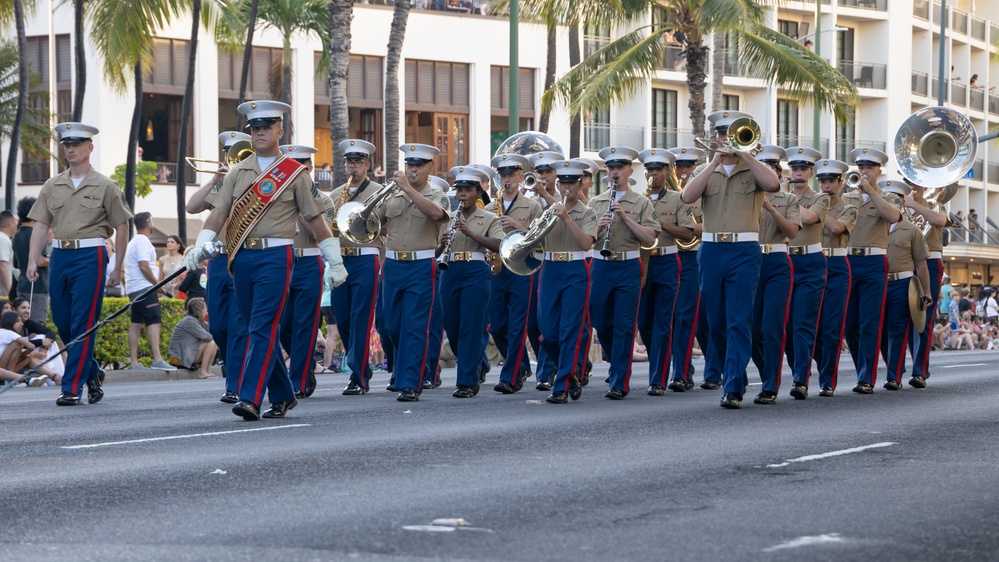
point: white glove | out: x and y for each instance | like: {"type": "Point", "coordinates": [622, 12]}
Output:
{"type": "Point", "coordinates": [336, 273]}
{"type": "Point", "coordinates": [193, 257]}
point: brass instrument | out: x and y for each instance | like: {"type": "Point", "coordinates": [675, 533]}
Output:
{"type": "Point", "coordinates": [743, 135]}
{"type": "Point", "coordinates": [935, 147]}
{"type": "Point", "coordinates": [648, 195]}
{"type": "Point", "coordinates": [853, 180]}
{"type": "Point", "coordinates": [517, 247]}
{"type": "Point", "coordinates": [442, 264]}
{"type": "Point", "coordinates": [238, 152]}
{"type": "Point", "coordinates": [495, 263]}
{"type": "Point", "coordinates": [605, 250]}
{"type": "Point", "coordinates": [344, 196]}
{"type": "Point", "coordinates": [530, 181]}
{"type": "Point", "coordinates": [352, 218]}
{"type": "Point", "coordinates": [686, 245]}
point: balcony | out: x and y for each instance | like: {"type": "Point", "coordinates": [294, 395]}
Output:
{"type": "Point", "coordinates": [166, 173]}
{"type": "Point", "coordinates": [976, 99]}
{"type": "Point", "coordinates": [978, 170]}
{"type": "Point", "coordinates": [921, 9]}
{"type": "Point", "coordinates": [34, 172]}
{"type": "Point", "coordinates": [936, 12]}
{"type": "Point", "coordinates": [864, 74]}
{"type": "Point", "coordinates": [845, 147]}
{"type": "Point", "coordinates": [920, 83]}
{"type": "Point", "coordinates": [959, 94]}
{"type": "Point", "coordinates": [978, 28]}
{"type": "Point", "coordinates": [959, 21]}
{"type": "Point", "coordinates": [993, 104]}
{"type": "Point", "coordinates": [668, 137]}
{"type": "Point", "coordinates": [673, 59]}
{"type": "Point", "coordinates": [994, 32]}
{"type": "Point", "coordinates": [452, 6]}
{"type": "Point", "coordinates": [599, 135]}
{"type": "Point", "coordinates": [993, 169]}
{"type": "Point", "coordinates": [879, 5]}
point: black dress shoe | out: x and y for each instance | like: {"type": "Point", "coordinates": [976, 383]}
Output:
{"type": "Point", "coordinates": [95, 390]}
{"type": "Point", "coordinates": [310, 385]}
{"type": "Point", "coordinates": [607, 380]}
{"type": "Point", "coordinates": [799, 391]}
{"type": "Point", "coordinates": [917, 382]}
{"type": "Point", "coordinates": [826, 391]}
{"type": "Point", "coordinates": [391, 385]}
{"type": "Point", "coordinates": [504, 387]}
{"type": "Point", "coordinates": [100, 374]}
{"type": "Point", "coordinates": [560, 397]}
{"type": "Point", "coordinates": [615, 394]}
{"type": "Point", "coordinates": [407, 395]}
{"type": "Point", "coordinates": [463, 392]}
{"type": "Point", "coordinates": [279, 409]}
{"type": "Point", "coordinates": [765, 397]}
{"type": "Point", "coordinates": [731, 401]}
{"type": "Point", "coordinates": [710, 385]}
{"type": "Point", "coordinates": [229, 397]}
{"type": "Point", "coordinates": [689, 385]}
{"type": "Point", "coordinates": [586, 373]}
{"type": "Point", "coordinates": [354, 389]}
{"type": "Point", "coordinates": [482, 375]}
{"type": "Point", "coordinates": [67, 399]}
{"type": "Point", "coordinates": [863, 388]}
{"type": "Point", "coordinates": [300, 394]}
{"type": "Point", "coordinates": [520, 382]}
{"type": "Point", "coordinates": [248, 410]}
{"type": "Point", "coordinates": [575, 389]}
{"type": "Point", "coordinates": [892, 385]}
{"type": "Point", "coordinates": [543, 386]}
{"type": "Point", "coordinates": [677, 385]}
{"type": "Point", "coordinates": [656, 390]}
{"type": "Point", "coordinates": [437, 377]}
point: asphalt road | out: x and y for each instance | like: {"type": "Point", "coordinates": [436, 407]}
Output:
{"type": "Point", "coordinates": [164, 471]}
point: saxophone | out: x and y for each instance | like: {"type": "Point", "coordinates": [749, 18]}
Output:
{"type": "Point", "coordinates": [344, 197]}
{"type": "Point", "coordinates": [495, 263]}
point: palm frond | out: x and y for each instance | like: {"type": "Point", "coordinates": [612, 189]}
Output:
{"type": "Point", "coordinates": [723, 15]}
{"type": "Point", "coordinates": [226, 21]}
{"type": "Point", "coordinates": [7, 11]}
{"type": "Point", "coordinates": [599, 12]}
{"type": "Point", "coordinates": [35, 130]}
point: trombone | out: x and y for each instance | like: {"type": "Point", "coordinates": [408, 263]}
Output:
{"type": "Point", "coordinates": [237, 153]}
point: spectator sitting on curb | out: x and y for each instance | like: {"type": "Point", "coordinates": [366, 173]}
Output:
{"type": "Point", "coordinates": [39, 334]}
{"type": "Point", "coordinates": [16, 351]}
{"type": "Point", "coordinates": [191, 346]}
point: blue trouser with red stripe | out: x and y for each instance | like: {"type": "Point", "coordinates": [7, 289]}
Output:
{"type": "Point", "coordinates": [222, 314]}
{"type": "Point", "coordinates": [729, 275]}
{"type": "Point", "coordinates": [409, 290]}
{"type": "Point", "coordinates": [383, 333]}
{"type": "Point", "coordinates": [353, 305]}
{"type": "Point", "coordinates": [829, 343]}
{"type": "Point", "coordinates": [770, 310]}
{"type": "Point", "coordinates": [865, 313]}
{"type": "Point", "coordinates": [689, 321]}
{"type": "Point", "coordinates": [465, 287]}
{"type": "Point", "coordinates": [260, 279]}
{"type": "Point", "coordinates": [436, 334]}
{"type": "Point", "coordinates": [546, 364]}
{"type": "Point", "coordinates": [510, 311]}
{"type": "Point", "coordinates": [896, 329]}
{"type": "Point", "coordinates": [77, 296]}
{"type": "Point", "coordinates": [563, 296]}
{"type": "Point", "coordinates": [921, 343]}
{"type": "Point", "coordinates": [806, 304]}
{"type": "Point", "coordinates": [300, 322]}
{"type": "Point", "coordinates": [614, 297]}
{"type": "Point", "coordinates": [655, 314]}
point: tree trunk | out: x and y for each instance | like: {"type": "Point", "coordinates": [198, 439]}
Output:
{"type": "Point", "coordinates": [185, 112]}
{"type": "Point", "coordinates": [81, 60]}
{"type": "Point", "coordinates": [550, 65]}
{"type": "Point", "coordinates": [286, 88]}
{"type": "Point", "coordinates": [133, 143]}
{"type": "Point", "coordinates": [392, 118]}
{"type": "Point", "coordinates": [697, 62]}
{"type": "Point", "coordinates": [22, 103]}
{"type": "Point", "coordinates": [575, 127]}
{"type": "Point", "coordinates": [247, 56]}
{"type": "Point", "coordinates": [341, 14]}
{"type": "Point", "coordinates": [717, 70]}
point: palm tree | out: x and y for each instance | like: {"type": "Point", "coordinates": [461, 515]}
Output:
{"type": "Point", "coordinates": [251, 25]}
{"type": "Point", "coordinates": [80, 58]}
{"type": "Point", "coordinates": [397, 35]}
{"type": "Point", "coordinates": [35, 124]}
{"type": "Point", "coordinates": [22, 98]}
{"type": "Point", "coordinates": [341, 14]}
{"type": "Point", "coordinates": [623, 66]}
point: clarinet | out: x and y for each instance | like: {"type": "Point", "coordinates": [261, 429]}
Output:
{"type": "Point", "coordinates": [442, 264]}
{"type": "Point", "coordinates": [605, 251]}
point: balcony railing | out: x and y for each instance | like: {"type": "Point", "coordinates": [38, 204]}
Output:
{"type": "Point", "coordinates": [864, 74]}
{"type": "Point", "coordinates": [673, 59]}
{"type": "Point", "coordinates": [477, 7]}
{"type": "Point", "coordinates": [921, 9]}
{"type": "Point", "coordinates": [166, 172]}
{"type": "Point", "coordinates": [958, 94]}
{"type": "Point", "coordinates": [668, 137]}
{"type": "Point", "coordinates": [879, 5]}
{"type": "Point", "coordinates": [978, 170]}
{"type": "Point", "coordinates": [993, 104]}
{"type": "Point", "coordinates": [976, 99]}
{"type": "Point", "coordinates": [34, 172]}
{"type": "Point", "coordinates": [600, 135]}
{"type": "Point", "coordinates": [959, 21]}
{"type": "Point", "coordinates": [937, 8]}
{"type": "Point", "coordinates": [920, 83]}
{"type": "Point", "coordinates": [994, 32]}
{"type": "Point", "coordinates": [978, 28]}
{"type": "Point", "coordinates": [993, 169]}
{"type": "Point", "coordinates": [845, 147]}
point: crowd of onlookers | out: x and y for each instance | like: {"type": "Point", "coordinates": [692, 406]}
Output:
{"type": "Point", "coordinates": [965, 321]}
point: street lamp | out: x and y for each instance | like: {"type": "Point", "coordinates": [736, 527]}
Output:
{"type": "Point", "coordinates": [834, 28]}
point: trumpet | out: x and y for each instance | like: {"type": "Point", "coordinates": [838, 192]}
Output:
{"type": "Point", "coordinates": [353, 218]}
{"type": "Point", "coordinates": [853, 179]}
{"type": "Point", "coordinates": [442, 264]}
{"type": "Point", "coordinates": [237, 153]}
{"type": "Point", "coordinates": [530, 181]}
{"type": "Point", "coordinates": [743, 135]}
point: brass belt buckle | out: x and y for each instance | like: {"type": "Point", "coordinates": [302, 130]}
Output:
{"type": "Point", "coordinates": [796, 250]}
{"type": "Point", "coordinates": [67, 244]}
{"type": "Point", "coordinates": [253, 243]}
{"type": "Point", "coordinates": [405, 256]}
{"type": "Point", "coordinates": [856, 251]}
{"type": "Point", "coordinates": [561, 256]}
{"type": "Point", "coordinates": [724, 237]}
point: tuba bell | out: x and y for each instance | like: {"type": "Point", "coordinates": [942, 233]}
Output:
{"type": "Point", "coordinates": [352, 219]}
{"type": "Point", "coordinates": [517, 248]}
{"type": "Point", "coordinates": [935, 147]}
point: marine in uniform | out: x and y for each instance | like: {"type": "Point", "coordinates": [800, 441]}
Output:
{"type": "Point", "coordinates": [868, 259]}
{"type": "Point", "coordinates": [354, 302]}
{"type": "Point", "coordinates": [627, 222]}
{"type": "Point", "coordinates": [780, 222]}
{"type": "Point", "coordinates": [907, 253]}
{"type": "Point", "coordinates": [82, 207]}
{"type": "Point", "coordinates": [413, 218]}
{"type": "Point", "coordinates": [433, 368]}
{"type": "Point", "coordinates": [511, 295]}
{"type": "Point", "coordinates": [731, 188]}
{"type": "Point", "coordinates": [838, 224]}
{"type": "Point", "coordinates": [258, 204]}
{"type": "Point", "coordinates": [300, 323]}
{"type": "Point", "coordinates": [662, 278]}
{"type": "Point", "coordinates": [565, 279]}
{"type": "Point", "coordinates": [465, 280]}
{"type": "Point", "coordinates": [809, 264]}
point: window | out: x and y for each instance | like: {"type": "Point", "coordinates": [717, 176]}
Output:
{"type": "Point", "coordinates": [789, 28]}
{"type": "Point", "coordinates": [437, 86]}
{"type": "Point", "coordinates": [730, 102]}
{"type": "Point", "coordinates": [594, 38]}
{"type": "Point", "coordinates": [168, 74]}
{"type": "Point", "coordinates": [664, 118]}
{"type": "Point", "coordinates": [263, 63]}
{"type": "Point", "coordinates": [787, 122]}
{"type": "Point", "coordinates": [365, 82]}
{"type": "Point", "coordinates": [844, 47]}
{"type": "Point", "coordinates": [499, 79]}
{"type": "Point", "coordinates": [37, 58]}
{"type": "Point", "coordinates": [845, 138]}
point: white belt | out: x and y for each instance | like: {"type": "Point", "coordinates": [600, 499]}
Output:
{"type": "Point", "coordinates": [773, 248]}
{"type": "Point", "coordinates": [402, 255]}
{"type": "Point", "coordinates": [264, 243]}
{"type": "Point", "coordinates": [307, 252]}
{"type": "Point", "coordinates": [467, 256]}
{"type": "Point", "coordinates": [900, 276]}
{"type": "Point", "coordinates": [803, 250]}
{"type": "Point", "coordinates": [831, 252]}
{"type": "Point", "coordinates": [566, 256]}
{"type": "Point", "coordinates": [852, 251]}
{"type": "Point", "coordinates": [731, 237]}
{"type": "Point", "coordinates": [77, 244]}
{"type": "Point", "coordinates": [618, 256]}
{"type": "Point", "coordinates": [353, 252]}
{"type": "Point", "coordinates": [662, 251]}
{"type": "Point", "coordinates": [936, 256]}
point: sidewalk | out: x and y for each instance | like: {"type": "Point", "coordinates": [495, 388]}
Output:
{"type": "Point", "coordinates": [147, 375]}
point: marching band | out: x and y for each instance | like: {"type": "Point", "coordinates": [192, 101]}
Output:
{"type": "Point", "coordinates": [720, 246]}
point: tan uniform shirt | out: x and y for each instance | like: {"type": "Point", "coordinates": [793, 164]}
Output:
{"type": "Point", "coordinates": [408, 229]}
{"type": "Point", "coordinates": [93, 210]}
{"type": "Point", "coordinates": [561, 240]}
{"type": "Point", "coordinates": [672, 212]}
{"type": "Point", "coordinates": [365, 190]}
{"type": "Point", "coordinates": [481, 222]}
{"type": "Point", "coordinates": [934, 239]}
{"type": "Point", "coordinates": [304, 239]}
{"type": "Point", "coordinates": [637, 207]}
{"type": "Point", "coordinates": [846, 214]}
{"type": "Point", "coordinates": [522, 209]}
{"type": "Point", "coordinates": [817, 203]}
{"type": "Point", "coordinates": [906, 247]}
{"type": "Point", "coordinates": [787, 205]}
{"type": "Point", "coordinates": [301, 196]}
{"type": "Point", "coordinates": [871, 231]}
{"type": "Point", "coordinates": [732, 203]}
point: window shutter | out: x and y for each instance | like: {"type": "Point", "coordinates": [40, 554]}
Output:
{"type": "Point", "coordinates": [526, 90]}
{"type": "Point", "coordinates": [161, 62]}
{"type": "Point", "coordinates": [425, 89]}
{"type": "Point", "coordinates": [64, 62]}
{"type": "Point", "coordinates": [496, 82]}
{"type": "Point", "coordinates": [443, 85]}
{"type": "Point", "coordinates": [460, 85]}
{"type": "Point", "coordinates": [181, 52]}
{"type": "Point", "coordinates": [374, 88]}
{"type": "Point", "coordinates": [355, 79]}
{"type": "Point", "coordinates": [411, 85]}
{"type": "Point", "coordinates": [261, 65]}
